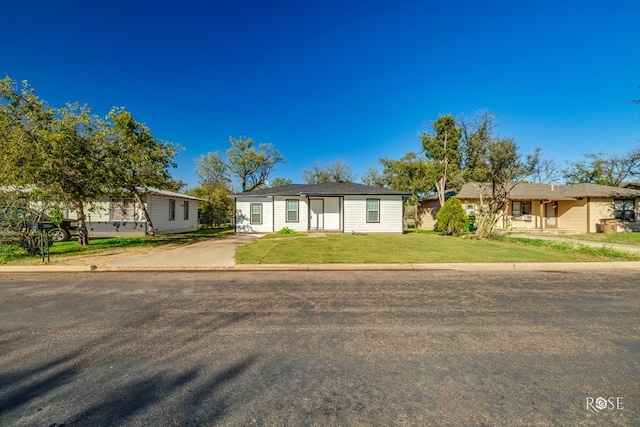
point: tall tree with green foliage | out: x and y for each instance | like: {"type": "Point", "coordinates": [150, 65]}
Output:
{"type": "Point", "coordinates": [214, 188]}
{"type": "Point", "coordinates": [604, 169]}
{"type": "Point", "coordinates": [443, 150]}
{"type": "Point", "coordinates": [410, 173]}
{"type": "Point", "coordinates": [476, 133]}
{"type": "Point", "coordinates": [59, 151]}
{"type": "Point", "coordinates": [507, 170]}
{"type": "Point", "coordinates": [251, 164]}
{"type": "Point", "coordinates": [280, 182]}
{"type": "Point", "coordinates": [217, 207]}
{"type": "Point", "coordinates": [136, 160]}
{"type": "Point", "coordinates": [210, 169]}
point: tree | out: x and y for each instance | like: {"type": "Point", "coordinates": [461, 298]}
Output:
{"type": "Point", "coordinates": [250, 165]}
{"type": "Point", "coordinates": [280, 182]}
{"type": "Point", "coordinates": [373, 177]}
{"type": "Point", "coordinates": [217, 207]}
{"type": "Point", "coordinates": [476, 135]}
{"type": "Point", "coordinates": [443, 150]}
{"type": "Point", "coordinates": [506, 170]}
{"type": "Point", "coordinates": [336, 171]}
{"type": "Point", "coordinates": [59, 151]}
{"type": "Point", "coordinates": [546, 170]}
{"type": "Point", "coordinates": [210, 169]}
{"type": "Point", "coordinates": [136, 160]}
{"type": "Point", "coordinates": [73, 163]}
{"type": "Point", "coordinates": [409, 173]}
{"type": "Point", "coordinates": [604, 169]}
{"type": "Point", "coordinates": [452, 220]}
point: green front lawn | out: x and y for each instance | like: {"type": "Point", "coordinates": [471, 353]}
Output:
{"type": "Point", "coordinates": [427, 247]}
{"type": "Point", "coordinates": [622, 238]}
{"type": "Point", "coordinates": [104, 245]}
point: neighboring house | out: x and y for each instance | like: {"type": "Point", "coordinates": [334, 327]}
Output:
{"type": "Point", "coordinates": [577, 207]}
{"type": "Point", "coordinates": [338, 207]}
{"type": "Point", "coordinates": [428, 209]}
{"type": "Point", "coordinates": [170, 212]}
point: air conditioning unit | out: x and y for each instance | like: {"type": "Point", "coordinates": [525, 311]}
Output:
{"type": "Point", "coordinates": [527, 217]}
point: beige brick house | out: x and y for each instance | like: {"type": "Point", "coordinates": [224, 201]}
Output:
{"type": "Point", "coordinates": [573, 208]}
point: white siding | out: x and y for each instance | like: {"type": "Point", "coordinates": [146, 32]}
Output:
{"type": "Point", "coordinates": [355, 215]}
{"type": "Point", "coordinates": [280, 214]}
{"type": "Point", "coordinates": [243, 215]}
{"type": "Point", "coordinates": [158, 208]}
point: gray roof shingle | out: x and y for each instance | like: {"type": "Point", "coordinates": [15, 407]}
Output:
{"type": "Point", "coordinates": [324, 189]}
{"type": "Point", "coordinates": [526, 191]}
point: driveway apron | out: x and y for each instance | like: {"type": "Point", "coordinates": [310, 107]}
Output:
{"type": "Point", "coordinates": [214, 253]}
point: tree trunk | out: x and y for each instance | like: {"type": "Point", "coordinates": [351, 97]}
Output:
{"type": "Point", "coordinates": [150, 230]}
{"type": "Point", "coordinates": [83, 235]}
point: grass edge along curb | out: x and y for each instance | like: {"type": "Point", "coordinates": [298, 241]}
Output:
{"type": "Point", "coordinates": [569, 247]}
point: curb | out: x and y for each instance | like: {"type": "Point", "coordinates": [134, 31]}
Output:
{"type": "Point", "coordinates": [572, 266]}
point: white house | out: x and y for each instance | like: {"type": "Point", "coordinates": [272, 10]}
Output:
{"type": "Point", "coordinates": [170, 212]}
{"type": "Point", "coordinates": [336, 207]}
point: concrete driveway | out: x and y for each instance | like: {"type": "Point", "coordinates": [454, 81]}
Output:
{"type": "Point", "coordinates": [214, 253]}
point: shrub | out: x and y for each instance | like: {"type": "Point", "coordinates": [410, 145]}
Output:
{"type": "Point", "coordinates": [451, 219]}
{"type": "Point", "coordinates": [286, 230]}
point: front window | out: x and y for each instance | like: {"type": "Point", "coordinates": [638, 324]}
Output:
{"type": "Point", "coordinates": [520, 208]}
{"type": "Point", "coordinates": [625, 209]}
{"type": "Point", "coordinates": [186, 210]}
{"type": "Point", "coordinates": [172, 210]}
{"type": "Point", "coordinates": [256, 213]}
{"type": "Point", "coordinates": [122, 209]}
{"type": "Point", "coordinates": [471, 210]}
{"type": "Point", "coordinates": [373, 210]}
{"type": "Point", "coordinates": [292, 210]}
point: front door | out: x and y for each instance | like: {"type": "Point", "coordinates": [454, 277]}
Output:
{"type": "Point", "coordinates": [551, 215]}
{"type": "Point", "coordinates": [316, 214]}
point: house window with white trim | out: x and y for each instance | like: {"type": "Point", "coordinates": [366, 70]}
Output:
{"type": "Point", "coordinates": [520, 208]}
{"type": "Point", "coordinates": [122, 209]}
{"type": "Point", "coordinates": [255, 216]}
{"type": "Point", "coordinates": [172, 210]}
{"type": "Point", "coordinates": [185, 208]}
{"type": "Point", "coordinates": [292, 210]}
{"type": "Point", "coordinates": [625, 209]}
{"type": "Point", "coordinates": [373, 210]}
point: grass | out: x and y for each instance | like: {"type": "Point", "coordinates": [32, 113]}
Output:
{"type": "Point", "coordinates": [622, 238]}
{"type": "Point", "coordinates": [422, 247]}
{"type": "Point", "coordinates": [107, 245]}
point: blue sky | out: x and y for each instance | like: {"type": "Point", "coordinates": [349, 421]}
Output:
{"type": "Point", "coordinates": [347, 80]}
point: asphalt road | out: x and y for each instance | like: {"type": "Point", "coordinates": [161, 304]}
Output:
{"type": "Point", "coordinates": [347, 349]}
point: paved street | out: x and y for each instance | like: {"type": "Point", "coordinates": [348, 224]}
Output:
{"type": "Point", "coordinates": [320, 348]}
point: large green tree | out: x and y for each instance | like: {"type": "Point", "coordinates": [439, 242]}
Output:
{"type": "Point", "coordinates": [604, 169]}
{"type": "Point", "coordinates": [217, 207]}
{"type": "Point", "coordinates": [136, 160]}
{"type": "Point", "coordinates": [59, 151]}
{"type": "Point", "coordinates": [214, 187]}
{"type": "Point", "coordinates": [442, 149]}
{"type": "Point", "coordinates": [410, 173]}
{"type": "Point", "coordinates": [251, 163]}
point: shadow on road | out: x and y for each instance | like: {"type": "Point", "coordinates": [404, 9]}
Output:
{"type": "Point", "coordinates": [60, 388]}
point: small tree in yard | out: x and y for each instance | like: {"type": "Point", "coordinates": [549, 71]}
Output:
{"type": "Point", "coordinates": [451, 219]}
